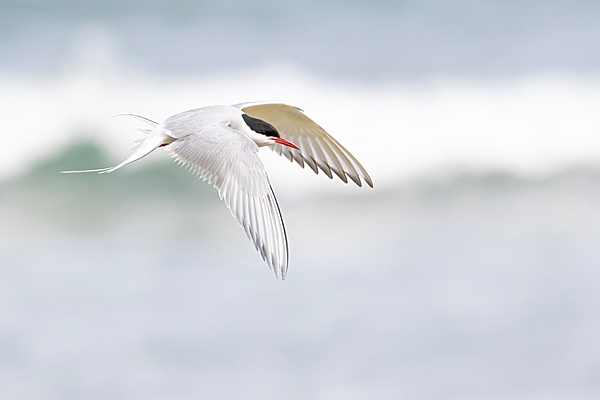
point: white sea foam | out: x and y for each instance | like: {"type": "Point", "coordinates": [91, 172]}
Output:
{"type": "Point", "coordinates": [529, 126]}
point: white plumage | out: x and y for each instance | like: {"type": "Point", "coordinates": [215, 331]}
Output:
{"type": "Point", "coordinates": [221, 144]}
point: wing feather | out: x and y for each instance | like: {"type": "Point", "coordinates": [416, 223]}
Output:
{"type": "Point", "coordinates": [318, 149]}
{"type": "Point", "coordinates": [229, 160]}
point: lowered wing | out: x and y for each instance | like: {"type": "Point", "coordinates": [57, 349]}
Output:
{"type": "Point", "coordinates": [229, 161]}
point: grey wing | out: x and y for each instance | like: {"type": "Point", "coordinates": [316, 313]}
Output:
{"type": "Point", "coordinates": [318, 149]}
{"type": "Point", "coordinates": [229, 160]}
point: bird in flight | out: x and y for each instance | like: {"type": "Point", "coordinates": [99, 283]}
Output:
{"type": "Point", "coordinates": [220, 143]}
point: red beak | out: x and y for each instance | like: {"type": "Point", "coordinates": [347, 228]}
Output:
{"type": "Point", "coordinates": [285, 142]}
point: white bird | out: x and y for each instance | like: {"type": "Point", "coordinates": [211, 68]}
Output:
{"type": "Point", "coordinates": [220, 143]}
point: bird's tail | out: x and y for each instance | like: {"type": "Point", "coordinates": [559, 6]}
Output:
{"type": "Point", "coordinates": [155, 137]}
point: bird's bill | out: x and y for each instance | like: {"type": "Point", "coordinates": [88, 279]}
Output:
{"type": "Point", "coordinates": [285, 142]}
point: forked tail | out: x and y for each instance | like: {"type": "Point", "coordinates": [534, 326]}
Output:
{"type": "Point", "coordinates": [147, 145]}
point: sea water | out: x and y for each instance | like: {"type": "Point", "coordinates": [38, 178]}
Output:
{"type": "Point", "coordinates": [469, 271]}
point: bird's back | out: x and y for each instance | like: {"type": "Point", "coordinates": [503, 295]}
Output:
{"type": "Point", "coordinates": [188, 122]}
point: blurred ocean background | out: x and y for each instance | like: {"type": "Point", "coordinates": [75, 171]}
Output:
{"type": "Point", "coordinates": [470, 271]}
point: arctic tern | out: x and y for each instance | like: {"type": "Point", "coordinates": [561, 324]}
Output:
{"type": "Point", "coordinates": [220, 143]}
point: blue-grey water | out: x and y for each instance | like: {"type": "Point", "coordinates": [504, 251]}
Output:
{"type": "Point", "coordinates": [362, 40]}
{"type": "Point", "coordinates": [140, 285]}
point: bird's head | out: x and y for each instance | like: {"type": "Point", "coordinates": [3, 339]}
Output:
{"type": "Point", "coordinates": [269, 136]}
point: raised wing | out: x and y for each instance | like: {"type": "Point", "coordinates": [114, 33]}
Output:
{"type": "Point", "coordinates": [318, 149]}
{"type": "Point", "coordinates": [229, 161]}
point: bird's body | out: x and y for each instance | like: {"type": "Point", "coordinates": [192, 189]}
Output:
{"type": "Point", "coordinates": [180, 125]}
{"type": "Point", "coordinates": [221, 144]}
